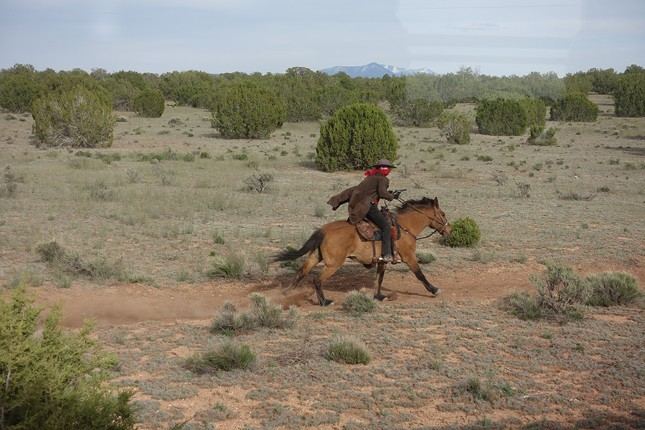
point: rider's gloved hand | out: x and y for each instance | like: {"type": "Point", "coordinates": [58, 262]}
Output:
{"type": "Point", "coordinates": [396, 194]}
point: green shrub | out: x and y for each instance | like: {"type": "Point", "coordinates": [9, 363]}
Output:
{"type": "Point", "coordinates": [502, 117]}
{"type": "Point", "coordinates": [297, 88]}
{"type": "Point", "coordinates": [258, 181]}
{"type": "Point", "coordinates": [77, 118]}
{"type": "Point", "coordinates": [561, 293]}
{"type": "Point", "coordinates": [149, 103]}
{"type": "Point", "coordinates": [478, 391]}
{"type": "Point", "coordinates": [542, 137]}
{"type": "Point", "coordinates": [418, 112]}
{"type": "Point", "coordinates": [525, 306]}
{"type": "Point", "coordinates": [248, 111]}
{"type": "Point", "coordinates": [578, 82]}
{"type": "Point", "coordinates": [262, 314]}
{"type": "Point", "coordinates": [10, 186]}
{"type": "Point", "coordinates": [574, 107]}
{"type": "Point", "coordinates": [357, 303]}
{"type": "Point", "coordinates": [233, 266]}
{"type": "Point", "coordinates": [348, 350]}
{"type": "Point", "coordinates": [613, 288]}
{"type": "Point", "coordinates": [54, 378]}
{"type": "Point", "coordinates": [229, 322]}
{"type": "Point", "coordinates": [356, 136]}
{"type": "Point", "coordinates": [227, 356]}
{"type": "Point", "coordinates": [561, 290]}
{"type": "Point", "coordinates": [265, 314]}
{"type": "Point", "coordinates": [108, 158]}
{"type": "Point", "coordinates": [465, 233]}
{"type": "Point", "coordinates": [65, 262]}
{"type": "Point", "coordinates": [535, 111]}
{"type": "Point", "coordinates": [629, 95]}
{"type": "Point", "coordinates": [603, 81]}
{"type": "Point", "coordinates": [25, 277]}
{"type": "Point", "coordinates": [123, 85]}
{"type": "Point", "coordinates": [425, 257]}
{"type": "Point", "coordinates": [20, 86]}
{"type": "Point", "coordinates": [455, 127]}
{"type": "Point", "coordinates": [190, 88]}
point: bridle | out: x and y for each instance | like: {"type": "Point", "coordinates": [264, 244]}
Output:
{"type": "Point", "coordinates": [444, 223]}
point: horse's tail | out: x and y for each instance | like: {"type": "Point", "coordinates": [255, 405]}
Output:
{"type": "Point", "coordinates": [312, 243]}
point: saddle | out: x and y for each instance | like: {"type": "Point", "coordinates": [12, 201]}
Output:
{"type": "Point", "coordinates": [369, 232]}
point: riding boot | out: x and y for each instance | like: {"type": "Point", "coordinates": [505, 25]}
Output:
{"type": "Point", "coordinates": [386, 244]}
{"type": "Point", "coordinates": [394, 252]}
{"type": "Point", "coordinates": [386, 235]}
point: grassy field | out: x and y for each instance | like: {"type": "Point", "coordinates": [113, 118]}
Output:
{"type": "Point", "coordinates": [171, 205]}
{"type": "Point", "coordinates": [167, 222]}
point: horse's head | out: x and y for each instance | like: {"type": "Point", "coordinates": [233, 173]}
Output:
{"type": "Point", "coordinates": [434, 216]}
{"type": "Point", "coordinates": [439, 221]}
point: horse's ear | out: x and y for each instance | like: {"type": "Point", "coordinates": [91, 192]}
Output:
{"type": "Point", "coordinates": [436, 202]}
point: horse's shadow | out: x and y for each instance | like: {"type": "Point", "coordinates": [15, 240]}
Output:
{"type": "Point", "coordinates": [350, 277]}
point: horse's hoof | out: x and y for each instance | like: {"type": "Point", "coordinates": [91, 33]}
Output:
{"type": "Point", "coordinates": [380, 297]}
{"type": "Point", "coordinates": [436, 293]}
{"type": "Point", "coordinates": [327, 302]}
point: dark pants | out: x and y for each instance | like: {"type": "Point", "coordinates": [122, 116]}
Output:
{"type": "Point", "coordinates": [379, 219]}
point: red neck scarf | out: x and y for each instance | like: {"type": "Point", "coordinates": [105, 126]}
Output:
{"type": "Point", "coordinates": [371, 172]}
{"type": "Point", "coordinates": [375, 170]}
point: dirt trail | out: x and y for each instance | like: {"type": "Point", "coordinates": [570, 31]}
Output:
{"type": "Point", "coordinates": [127, 304]}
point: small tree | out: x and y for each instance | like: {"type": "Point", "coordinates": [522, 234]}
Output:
{"type": "Point", "coordinates": [52, 378]}
{"type": "Point", "coordinates": [249, 111]}
{"type": "Point", "coordinates": [19, 87]}
{"type": "Point", "coordinates": [354, 137]}
{"type": "Point", "coordinates": [574, 107]}
{"type": "Point", "coordinates": [535, 110]}
{"type": "Point", "coordinates": [502, 117]}
{"type": "Point", "coordinates": [578, 82]}
{"type": "Point", "coordinates": [629, 95]}
{"type": "Point", "coordinates": [455, 127]}
{"type": "Point", "coordinates": [149, 103]}
{"type": "Point", "coordinates": [77, 118]}
{"type": "Point", "coordinates": [418, 112]}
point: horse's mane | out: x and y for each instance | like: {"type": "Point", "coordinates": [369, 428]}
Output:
{"type": "Point", "coordinates": [409, 204]}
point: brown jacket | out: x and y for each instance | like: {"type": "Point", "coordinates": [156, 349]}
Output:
{"type": "Point", "coordinates": [371, 189]}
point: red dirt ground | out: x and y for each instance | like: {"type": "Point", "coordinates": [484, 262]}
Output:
{"type": "Point", "coordinates": [127, 304]}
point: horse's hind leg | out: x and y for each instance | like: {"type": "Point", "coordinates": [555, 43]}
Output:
{"type": "Point", "coordinates": [310, 262]}
{"type": "Point", "coordinates": [380, 272]}
{"type": "Point", "coordinates": [322, 301]}
{"type": "Point", "coordinates": [325, 274]}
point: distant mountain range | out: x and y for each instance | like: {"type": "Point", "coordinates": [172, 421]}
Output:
{"type": "Point", "coordinates": [375, 70]}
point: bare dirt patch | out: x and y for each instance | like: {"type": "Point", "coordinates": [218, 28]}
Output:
{"type": "Point", "coordinates": [132, 303]}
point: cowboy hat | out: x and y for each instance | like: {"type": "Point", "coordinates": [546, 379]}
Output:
{"type": "Point", "coordinates": [384, 163]}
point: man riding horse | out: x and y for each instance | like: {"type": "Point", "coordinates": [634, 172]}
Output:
{"type": "Point", "coordinates": [363, 202]}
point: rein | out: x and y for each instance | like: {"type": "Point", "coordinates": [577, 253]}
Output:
{"type": "Point", "coordinates": [430, 218]}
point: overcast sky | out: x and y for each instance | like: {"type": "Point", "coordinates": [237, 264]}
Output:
{"type": "Point", "coordinates": [493, 37]}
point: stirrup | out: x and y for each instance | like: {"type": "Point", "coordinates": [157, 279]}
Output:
{"type": "Point", "coordinates": [386, 259]}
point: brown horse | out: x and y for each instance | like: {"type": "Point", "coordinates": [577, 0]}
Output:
{"type": "Point", "coordinates": [336, 241]}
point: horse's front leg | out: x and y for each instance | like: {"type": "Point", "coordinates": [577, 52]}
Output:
{"type": "Point", "coordinates": [414, 266]}
{"type": "Point", "coordinates": [380, 272]}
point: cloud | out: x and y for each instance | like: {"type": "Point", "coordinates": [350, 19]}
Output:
{"type": "Point", "coordinates": [480, 26]}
